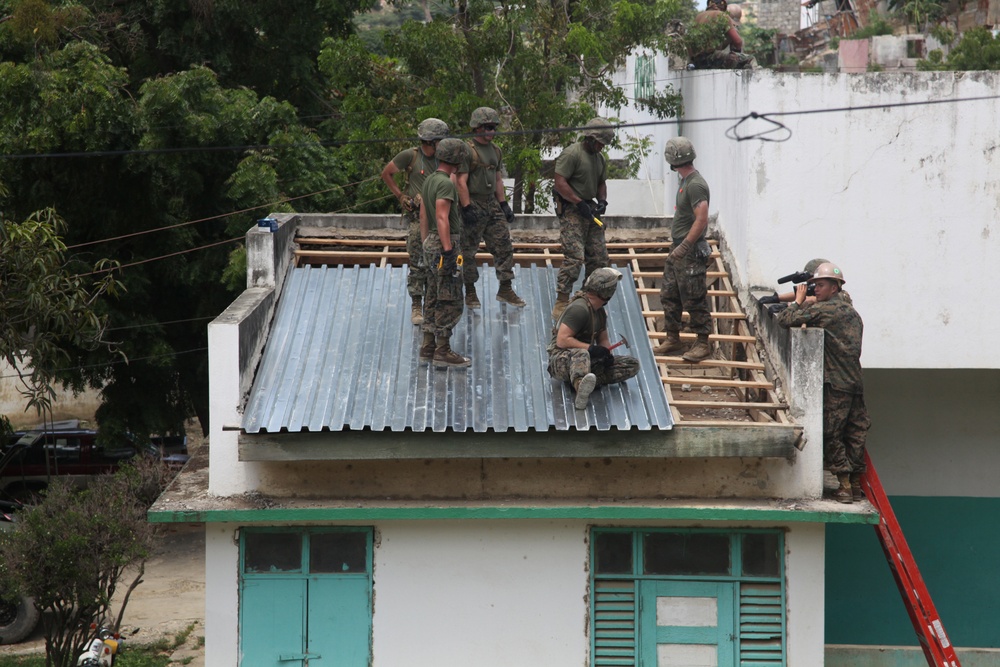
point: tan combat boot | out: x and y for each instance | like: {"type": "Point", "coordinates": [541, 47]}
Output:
{"type": "Point", "coordinates": [445, 357]}
{"type": "Point", "coordinates": [427, 347]}
{"type": "Point", "coordinates": [843, 494]}
{"type": "Point", "coordinates": [584, 388]}
{"type": "Point", "coordinates": [700, 351]}
{"type": "Point", "coordinates": [471, 298]}
{"type": "Point", "coordinates": [417, 311]}
{"type": "Point", "coordinates": [671, 344]}
{"type": "Point", "coordinates": [506, 294]}
{"type": "Point", "coordinates": [562, 300]}
{"type": "Point", "coordinates": [856, 491]}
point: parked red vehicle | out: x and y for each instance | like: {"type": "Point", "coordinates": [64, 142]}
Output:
{"type": "Point", "coordinates": [66, 450]}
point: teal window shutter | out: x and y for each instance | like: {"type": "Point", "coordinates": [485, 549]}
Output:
{"type": "Point", "coordinates": [645, 77]}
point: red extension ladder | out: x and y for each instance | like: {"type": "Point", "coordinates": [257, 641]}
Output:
{"type": "Point", "coordinates": [933, 639]}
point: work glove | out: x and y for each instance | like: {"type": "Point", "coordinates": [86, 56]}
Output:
{"type": "Point", "coordinates": [583, 208]}
{"type": "Point", "coordinates": [509, 214]}
{"type": "Point", "coordinates": [449, 262]}
{"type": "Point", "coordinates": [768, 300]}
{"type": "Point", "coordinates": [602, 206]}
{"type": "Point", "coordinates": [469, 214]}
{"type": "Point", "coordinates": [407, 203]}
{"type": "Point", "coordinates": [599, 355]}
{"type": "Point", "coordinates": [679, 251]}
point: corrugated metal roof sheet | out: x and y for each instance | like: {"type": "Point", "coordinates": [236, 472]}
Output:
{"type": "Point", "coordinates": [342, 355]}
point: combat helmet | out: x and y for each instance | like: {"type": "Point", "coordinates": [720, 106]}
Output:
{"type": "Point", "coordinates": [431, 129]}
{"type": "Point", "coordinates": [484, 116]}
{"type": "Point", "coordinates": [599, 129]}
{"type": "Point", "coordinates": [812, 265]}
{"type": "Point", "coordinates": [829, 270]}
{"type": "Point", "coordinates": [679, 151]}
{"type": "Point", "coordinates": [603, 282]}
{"type": "Point", "coordinates": [719, 5]}
{"type": "Point", "coordinates": [451, 150]}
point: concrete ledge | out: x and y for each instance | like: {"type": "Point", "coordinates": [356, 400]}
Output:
{"type": "Point", "coordinates": [842, 655]}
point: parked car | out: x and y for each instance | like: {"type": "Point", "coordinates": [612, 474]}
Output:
{"type": "Point", "coordinates": [66, 450]}
{"type": "Point", "coordinates": [18, 614]}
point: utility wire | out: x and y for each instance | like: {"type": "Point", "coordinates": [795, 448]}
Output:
{"type": "Point", "coordinates": [110, 363]}
{"type": "Point", "coordinates": [546, 130]}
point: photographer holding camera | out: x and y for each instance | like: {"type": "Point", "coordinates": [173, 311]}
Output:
{"type": "Point", "coordinates": [803, 276]}
{"type": "Point", "coordinates": [845, 417]}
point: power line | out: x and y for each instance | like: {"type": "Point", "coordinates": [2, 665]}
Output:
{"type": "Point", "coordinates": [112, 363]}
{"type": "Point", "coordinates": [545, 130]}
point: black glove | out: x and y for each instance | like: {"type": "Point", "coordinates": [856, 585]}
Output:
{"type": "Point", "coordinates": [583, 208]}
{"type": "Point", "coordinates": [509, 214]}
{"type": "Point", "coordinates": [469, 214]}
{"type": "Point", "coordinates": [449, 262]}
{"type": "Point", "coordinates": [602, 206]}
{"type": "Point", "coordinates": [598, 353]}
{"type": "Point", "coordinates": [767, 300]}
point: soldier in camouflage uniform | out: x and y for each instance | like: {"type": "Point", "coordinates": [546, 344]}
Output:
{"type": "Point", "coordinates": [485, 210]}
{"type": "Point", "coordinates": [416, 164]}
{"type": "Point", "coordinates": [581, 177]}
{"type": "Point", "coordinates": [578, 350]}
{"type": "Point", "coordinates": [845, 417]}
{"type": "Point", "coordinates": [684, 271]}
{"type": "Point", "coordinates": [441, 229]}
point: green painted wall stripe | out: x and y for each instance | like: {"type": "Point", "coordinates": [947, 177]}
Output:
{"type": "Point", "coordinates": [955, 542]}
{"type": "Point", "coordinates": [313, 514]}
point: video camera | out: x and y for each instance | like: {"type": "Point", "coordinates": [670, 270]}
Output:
{"type": "Point", "coordinates": [799, 277]}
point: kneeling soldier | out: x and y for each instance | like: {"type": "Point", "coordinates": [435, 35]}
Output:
{"type": "Point", "coordinates": [578, 351]}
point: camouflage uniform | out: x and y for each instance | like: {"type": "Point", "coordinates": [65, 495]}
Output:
{"type": "Point", "coordinates": [684, 280]}
{"type": "Point", "coordinates": [571, 364]}
{"type": "Point", "coordinates": [443, 303]}
{"type": "Point", "coordinates": [416, 167]}
{"type": "Point", "coordinates": [845, 417]}
{"type": "Point", "coordinates": [583, 242]}
{"type": "Point", "coordinates": [484, 165]}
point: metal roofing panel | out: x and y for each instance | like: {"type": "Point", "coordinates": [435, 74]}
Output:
{"type": "Point", "coordinates": [342, 355]}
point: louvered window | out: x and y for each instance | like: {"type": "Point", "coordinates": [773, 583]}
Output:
{"type": "Point", "coordinates": [662, 595]}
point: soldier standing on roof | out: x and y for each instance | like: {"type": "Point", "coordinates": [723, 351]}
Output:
{"type": "Point", "coordinates": [416, 164]}
{"type": "Point", "coordinates": [485, 210]}
{"type": "Point", "coordinates": [441, 229]}
{"type": "Point", "coordinates": [726, 50]}
{"type": "Point", "coordinates": [581, 177]}
{"type": "Point", "coordinates": [684, 271]}
{"type": "Point", "coordinates": [845, 417]}
{"type": "Point", "coordinates": [578, 350]}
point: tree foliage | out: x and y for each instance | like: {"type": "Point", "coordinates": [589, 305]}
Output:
{"type": "Point", "coordinates": [978, 49]}
{"type": "Point", "coordinates": [49, 304]}
{"type": "Point", "coordinates": [72, 551]}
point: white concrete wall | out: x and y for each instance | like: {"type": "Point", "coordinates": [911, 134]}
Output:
{"type": "Point", "coordinates": [805, 577]}
{"type": "Point", "coordinates": [934, 433]}
{"type": "Point", "coordinates": [222, 595]}
{"type": "Point", "coordinates": [496, 593]}
{"type": "Point", "coordinates": [906, 200]}
{"type": "Point", "coordinates": [65, 405]}
{"type": "Point", "coordinates": [489, 593]}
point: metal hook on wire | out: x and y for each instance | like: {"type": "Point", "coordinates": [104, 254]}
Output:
{"type": "Point", "coordinates": [733, 132]}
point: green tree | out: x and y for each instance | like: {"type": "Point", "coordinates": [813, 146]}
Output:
{"type": "Point", "coordinates": [72, 552]}
{"type": "Point", "coordinates": [48, 305]}
{"type": "Point", "coordinates": [541, 64]}
{"type": "Point", "coordinates": [977, 49]}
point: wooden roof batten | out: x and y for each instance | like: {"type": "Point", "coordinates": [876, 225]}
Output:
{"type": "Point", "coordinates": [733, 388]}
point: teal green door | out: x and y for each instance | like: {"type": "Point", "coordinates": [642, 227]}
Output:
{"type": "Point", "coordinates": [339, 621]}
{"type": "Point", "coordinates": [306, 598]}
{"type": "Point", "coordinates": [686, 624]}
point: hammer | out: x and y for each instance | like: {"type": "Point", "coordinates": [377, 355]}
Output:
{"type": "Point", "coordinates": [623, 341]}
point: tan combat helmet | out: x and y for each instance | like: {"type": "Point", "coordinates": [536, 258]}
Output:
{"type": "Point", "coordinates": [484, 116]}
{"type": "Point", "coordinates": [812, 264]}
{"type": "Point", "coordinates": [599, 129]}
{"type": "Point", "coordinates": [432, 129]}
{"type": "Point", "coordinates": [829, 270]}
{"type": "Point", "coordinates": [679, 151]}
{"type": "Point", "coordinates": [603, 282]}
{"type": "Point", "coordinates": [451, 150]}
